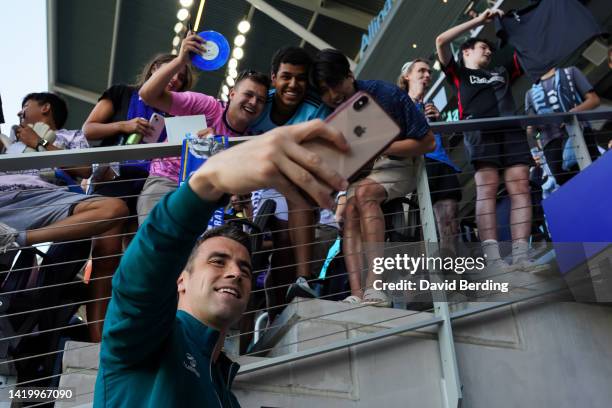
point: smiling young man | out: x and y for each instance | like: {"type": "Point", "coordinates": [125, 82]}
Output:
{"type": "Point", "coordinates": [157, 356]}
{"type": "Point", "coordinates": [289, 102]}
{"type": "Point", "coordinates": [246, 102]}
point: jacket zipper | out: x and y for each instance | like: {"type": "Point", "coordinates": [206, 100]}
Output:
{"type": "Point", "coordinates": [212, 381]}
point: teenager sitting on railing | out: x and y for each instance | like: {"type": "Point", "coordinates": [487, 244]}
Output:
{"type": "Point", "coordinates": [155, 355]}
{"type": "Point", "coordinates": [34, 210]}
{"type": "Point", "coordinates": [392, 176]}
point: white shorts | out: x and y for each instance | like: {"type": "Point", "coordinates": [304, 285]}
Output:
{"type": "Point", "coordinates": [281, 212]}
{"type": "Point", "coordinates": [258, 197]}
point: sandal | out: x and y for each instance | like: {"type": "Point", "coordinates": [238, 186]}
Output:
{"type": "Point", "coordinates": [355, 300]}
{"type": "Point", "coordinates": [376, 298]}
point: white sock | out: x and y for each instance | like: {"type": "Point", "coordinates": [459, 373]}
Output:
{"type": "Point", "coordinates": [519, 250]}
{"type": "Point", "coordinates": [490, 247]}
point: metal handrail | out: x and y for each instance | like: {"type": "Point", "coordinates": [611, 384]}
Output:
{"type": "Point", "coordinates": [78, 157]}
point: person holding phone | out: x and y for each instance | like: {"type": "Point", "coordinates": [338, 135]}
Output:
{"type": "Point", "coordinates": [415, 79]}
{"type": "Point", "coordinates": [176, 293]}
{"type": "Point", "coordinates": [122, 117]}
{"type": "Point", "coordinates": [393, 174]}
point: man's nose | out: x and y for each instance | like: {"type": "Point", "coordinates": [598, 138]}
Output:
{"type": "Point", "coordinates": [233, 271]}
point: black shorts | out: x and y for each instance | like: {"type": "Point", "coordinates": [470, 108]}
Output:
{"type": "Point", "coordinates": [498, 148]}
{"type": "Point", "coordinates": [443, 181]}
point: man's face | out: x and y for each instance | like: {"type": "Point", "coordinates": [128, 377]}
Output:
{"type": "Point", "coordinates": [33, 112]}
{"type": "Point", "coordinates": [217, 289]}
{"type": "Point", "coordinates": [247, 100]}
{"type": "Point", "coordinates": [420, 73]}
{"type": "Point", "coordinates": [334, 96]}
{"type": "Point", "coordinates": [479, 56]}
{"type": "Point", "coordinates": [290, 83]}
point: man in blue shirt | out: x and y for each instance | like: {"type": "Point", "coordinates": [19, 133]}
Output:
{"type": "Point", "coordinates": [157, 356]}
{"type": "Point", "coordinates": [393, 174]}
{"type": "Point", "coordinates": [289, 102]}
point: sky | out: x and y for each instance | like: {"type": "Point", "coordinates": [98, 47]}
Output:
{"type": "Point", "coordinates": [23, 54]}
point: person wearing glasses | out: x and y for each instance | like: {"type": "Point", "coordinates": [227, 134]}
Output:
{"type": "Point", "coordinates": [246, 102]}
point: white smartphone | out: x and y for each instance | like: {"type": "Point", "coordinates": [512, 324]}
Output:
{"type": "Point", "coordinates": [158, 123]}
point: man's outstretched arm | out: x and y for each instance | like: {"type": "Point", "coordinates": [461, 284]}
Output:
{"type": "Point", "coordinates": [143, 304]}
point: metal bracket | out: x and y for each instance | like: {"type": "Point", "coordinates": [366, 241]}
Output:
{"type": "Point", "coordinates": [451, 386]}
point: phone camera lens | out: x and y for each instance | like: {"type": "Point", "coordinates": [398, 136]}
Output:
{"type": "Point", "coordinates": [360, 103]}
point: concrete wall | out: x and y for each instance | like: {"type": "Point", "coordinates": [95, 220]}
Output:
{"type": "Point", "coordinates": [528, 355]}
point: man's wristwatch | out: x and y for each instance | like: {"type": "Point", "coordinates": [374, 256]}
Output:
{"type": "Point", "coordinates": [42, 143]}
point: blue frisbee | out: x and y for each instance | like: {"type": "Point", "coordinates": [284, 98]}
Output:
{"type": "Point", "coordinates": [216, 54]}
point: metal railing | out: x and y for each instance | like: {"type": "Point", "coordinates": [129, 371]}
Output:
{"type": "Point", "coordinates": [440, 315]}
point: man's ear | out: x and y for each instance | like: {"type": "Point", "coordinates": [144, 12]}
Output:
{"type": "Point", "coordinates": [45, 108]}
{"type": "Point", "coordinates": [273, 79]}
{"type": "Point", "coordinates": [181, 284]}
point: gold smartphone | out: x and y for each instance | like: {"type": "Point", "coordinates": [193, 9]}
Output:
{"type": "Point", "coordinates": [367, 128]}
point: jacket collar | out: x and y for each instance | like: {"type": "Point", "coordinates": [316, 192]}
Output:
{"type": "Point", "coordinates": [206, 338]}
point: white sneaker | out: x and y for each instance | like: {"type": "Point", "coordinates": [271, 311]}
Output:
{"type": "Point", "coordinates": [8, 237]}
{"type": "Point", "coordinates": [355, 300]}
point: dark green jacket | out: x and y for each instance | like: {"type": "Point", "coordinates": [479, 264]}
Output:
{"type": "Point", "coordinates": [153, 355]}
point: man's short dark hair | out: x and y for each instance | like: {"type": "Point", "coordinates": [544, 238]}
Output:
{"type": "Point", "coordinates": [231, 231]}
{"type": "Point", "coordinates": [293, 56]}
{"type": "Point", "coordinates": [470, 43]}
{"type": "Point", "coordinates": [254, 76]}
{"type": "Point", "coordinates": [59, 109]}
{"type": "Point", "coordinates": [330, 67]}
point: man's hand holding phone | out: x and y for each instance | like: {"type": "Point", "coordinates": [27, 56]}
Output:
{"type": "Point", "coordinates": [368, 129]}
{"type": "Point", "coordinates": [276, 159]}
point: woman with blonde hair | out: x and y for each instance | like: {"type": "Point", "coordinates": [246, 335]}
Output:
{"type": "Point", "coordinates": [415, 79]}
